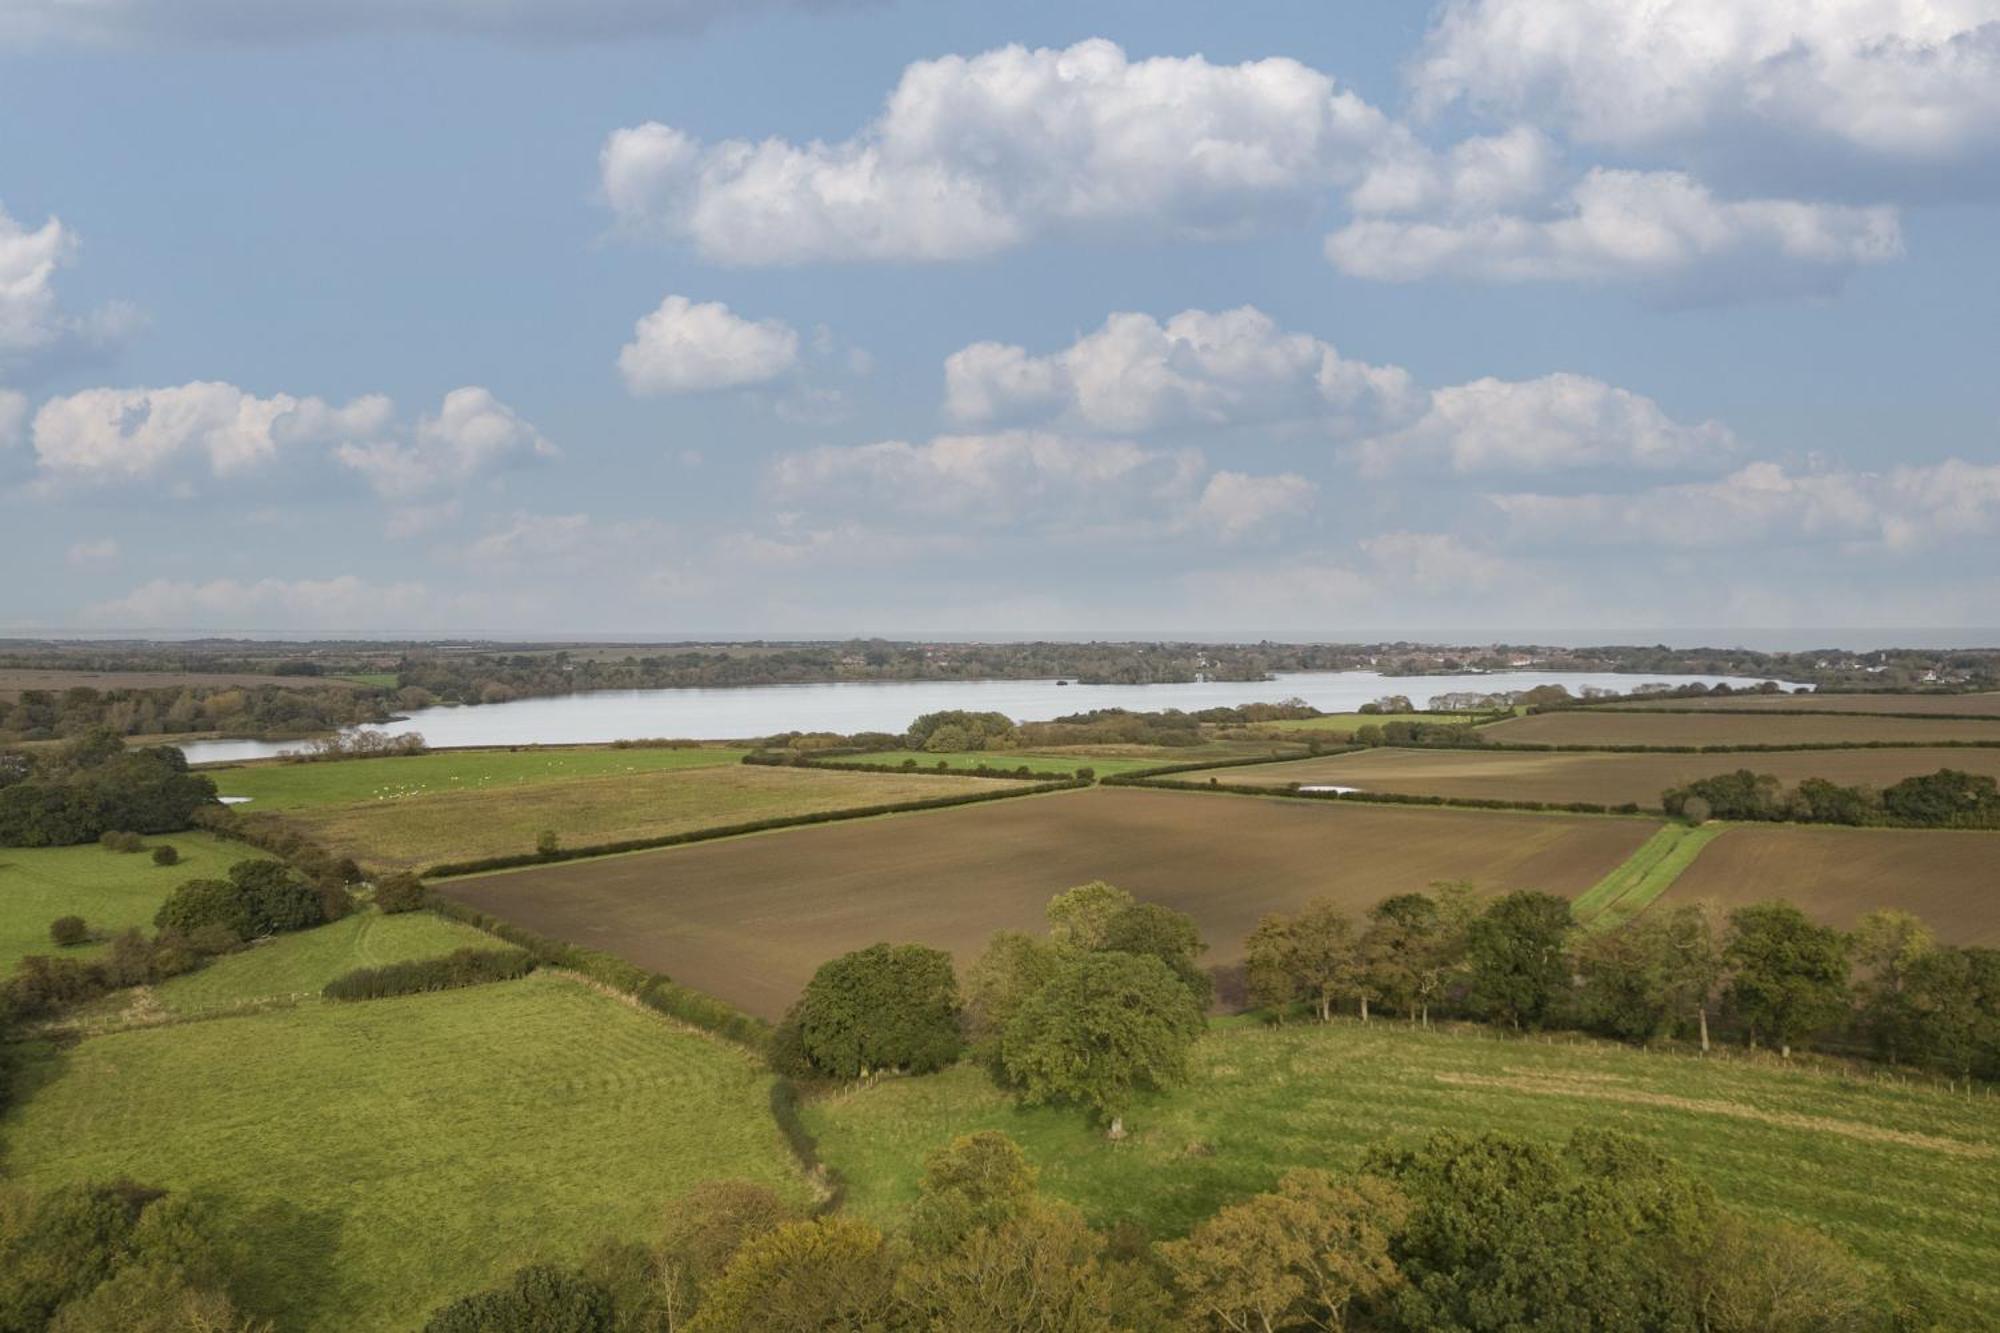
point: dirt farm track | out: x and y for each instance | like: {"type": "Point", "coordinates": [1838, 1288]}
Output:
{"type": "Point", "coordinates": [748, 919]}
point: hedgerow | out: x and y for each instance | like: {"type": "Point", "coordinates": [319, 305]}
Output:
{"type": "Point", "coordinates": [461, 967]}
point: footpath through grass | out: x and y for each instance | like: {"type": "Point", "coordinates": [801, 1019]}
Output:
{"type": "Point", "coordinates": [383, 1157]}
{"type": "Point", "coordinates": [1905, 1175]}
{"type": "Point", "coordinates": [1651, 871]}
{"type": "Point", "coordinates": [112, 891]}
{"type": "Point", "coordinates": [281, 786]}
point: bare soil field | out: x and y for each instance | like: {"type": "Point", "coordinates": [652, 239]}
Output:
{"type": "Point", "coordinates": [410, 832]}
{"type": "Point", "coordinates": [1604, 727]}
{"type": "Point", "coordinates": [1951, 880]}
{"type": "Point", "coordinates": [748, 919]}
{"type": "Point", "coordinates": [14, 680]}
{"type": "Point", "coordinates": [1945, 705]}
{"type": "Point", "coordinates": [1608, 779]}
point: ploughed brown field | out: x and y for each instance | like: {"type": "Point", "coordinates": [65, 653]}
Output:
{"type": "Point", "coordinates": [1973, 705]}
{"type": "Point", "coordinates": [1599, 726]}
{"type": "Point", "coordinates": [14, 680]}
{"type": "Point", "coordinates": [1608, 779]}
{"type": "Point", "coordinates": [1950, 879]}
{"type": "Point", "coordinates": [749, 919]}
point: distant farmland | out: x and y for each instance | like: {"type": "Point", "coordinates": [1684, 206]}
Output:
{"type": "Point", "coordinates": [1608, 779]}
{"type": "Point", "coordinates": [749, 919]}
{"type": "Point", "coordinates": [1980, 705]}
{"type": "Point", "coordinates": [427, 829]}
{"type": "Point", "coordinates": [1951, 880]}
{"type": "Point", "coordinates": [14, 680]}
{"type": "Point", "coordinates": [1599, 726]}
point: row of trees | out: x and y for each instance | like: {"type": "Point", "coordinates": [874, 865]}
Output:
{"type": "Point", "coordinates": [1765, 972]}
{"type": "Point", "coordinates": [1947, 798]}
{"type": "Point", "coordinates": [92, 785]}
{"type": "Point", "coordinates": [41, 715]}
{"type": "Point", "coordinates": [1459, 1232]}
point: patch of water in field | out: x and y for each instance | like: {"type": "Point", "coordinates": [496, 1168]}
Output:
{"type": "Point", "coordinates": [850, 706]}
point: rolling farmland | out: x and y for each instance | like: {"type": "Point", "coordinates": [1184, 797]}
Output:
{"type": "Point", "coordinates": [1606, 779]}
{"type": "Point", "coordinates": [1964, 705]}
{"type": "Point", "coordinates": [1950, 879]}
{"type": "Point", "coordinates": [1604, 727]}
{"type": "Point", "coordinates": [749, 919]}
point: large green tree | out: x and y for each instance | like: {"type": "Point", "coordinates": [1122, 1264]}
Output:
{"type": "Point", "coordinates": [1107, 1026]}
{"type": "Point", "coordinates": [1788, 975]}
{"type": "Point", "coordinates": [1517, 958]}
{"type": "Point", "coordinates": [889, 1006]}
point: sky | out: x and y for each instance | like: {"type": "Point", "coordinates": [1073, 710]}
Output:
{"type": "Point", "coordinates": [826, 317]}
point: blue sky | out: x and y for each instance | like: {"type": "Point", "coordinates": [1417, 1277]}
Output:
{"type": "Point", "coordinates": [680, 318]}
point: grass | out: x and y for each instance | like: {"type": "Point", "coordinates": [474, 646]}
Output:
{"type": "Point", "coordinates": [1905, 1175]}
{"type": "Point", "coordinates": [280, 786]}
{"type": "Point", "coordinates": [110, 890]}
{"type": "Point", "coordinates": [380, 679]}
{"type": "Point", "coordinates": [1652, 870]}
{"type": "Point", "coordinates": [424, 830]}
{"type": "Point", "coordinates": [383, 1157]}
{"type": "Point", "coordinates": [1104, 765]}
{"type": "Point", "coordinates": [301, 963]}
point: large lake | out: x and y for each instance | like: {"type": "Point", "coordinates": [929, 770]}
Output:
{"type": "Point", "coordinates": [850, 706]}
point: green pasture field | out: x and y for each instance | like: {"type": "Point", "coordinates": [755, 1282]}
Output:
{"type": "Point", "coordinates": [1009, 760]}
{"type": "Point", "coordinates": [110, 890]}
{"type": "Point", "coordinates": [385, 680]}
{"type": "Point", "coordinates": [427, 830]}
{"type": "Point", "coordinates": [301, 963]}
{"type": "Point", "coordinates": [382, 1157]}
{"type": "Point", "coordinates": [1652, 870]}
{"type": "Point", "coordinates": [1904, 1174]}
{"type": "Point", "coordinates": [279, 786]}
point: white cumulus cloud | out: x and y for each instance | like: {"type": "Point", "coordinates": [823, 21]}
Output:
{"type": "Point", "coordinates": [1908, 80]}
{"type": "Point", "coordinates": [690, 347]}
{"type": "Point", "coordinates": [1557, 421]}
{"type": "Point", "coordinates": [1662, 228]}
{"type": "Point", "coordinates": [1198, 369]}
{"type": "Point", "coordinates": [131, 434]}
{"type": "Point", "coordinates": [973, 155]}
{"type": "Point", "coordinates": [471, 433]}
{"type": "Point", "coordinates": [33, 323]}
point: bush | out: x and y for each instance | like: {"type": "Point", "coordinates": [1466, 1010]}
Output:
{"type": "Point", "coordinates": [547, 843]}
{"type": "Point", "coordinates": [400, 892]}
{"type": "Point", "coordinates": [123, 842]}
{"type": "Point", "coordinates": [166, 854]}
{"type": "Point", "coordinates": [258, 898]}
{"type": "Point", "coordinates": [66, 932]}
{"type": "Point", "coordinates": [462, 967]}
{"type": "Point", "coordinates": [541, 1298]}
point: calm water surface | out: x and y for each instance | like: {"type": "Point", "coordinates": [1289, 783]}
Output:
{"type": "Point", "coordinates": [850, 706]}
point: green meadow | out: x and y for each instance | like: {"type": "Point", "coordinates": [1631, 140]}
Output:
{"type": "Point", "coordinates": [1009, 760]}
{"type": "Point", "coordinates": [281, 786]}
{"type": "Point", "coordinates": [111, 890]}
{"type": "Point", "coordinates": [382, 1157]}
{"type": "Point", "coordinates": [1904, 1174]}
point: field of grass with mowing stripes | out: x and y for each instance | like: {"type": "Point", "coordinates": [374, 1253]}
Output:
{"type": "Point", "coordinates": [1905, 1175]}
{"type": "Point", "coordinates": [277, 786]}
{"type": "Point", "coordinates": [383, 1157]}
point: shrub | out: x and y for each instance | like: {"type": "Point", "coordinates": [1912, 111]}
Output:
{"type": "Point", "coordinates": [123, 842]}
{"type": "Point", "coordinates": [166, 854]}
{"type": "Point", "coordinates": [258, 898]}
{"type": "Point", "coordinates": [67, 932]}
{"type": "Point", "coordinates": [41, 985]}
{"type": "Point", "coordinates": [400, 892]}
{"type": "Point", "coordinates": [541, 1298]}
{"type": "Point", "coordinates": [547, 843]}
{"type": "Point", "coordinates": [462, 967]}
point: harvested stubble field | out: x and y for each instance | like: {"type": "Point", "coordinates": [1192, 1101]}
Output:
{"type": "Point", "coordinates": [1948, 705]}
{"type": "Point", "coordinates": [1607, 779]}
{"type": "Point", "coordinates": [386, 1156]}
{"type": "Point", "coordinates": [466, 825]}
{"type": "Point", "coordinates": [1950, 879]}
{"type": "Point", "coordinates": [277, 785]}
{"type": "Point", "coordinates": [1600, 726]}
{"type": "Point", "coordinates": [749, 919]}
{"type": "Point", "coordinates": [111, 891]}
{"type": "Point", "coordinates": [15, 680]}
{"type": "Point", "coordinates": [1904, 1174]}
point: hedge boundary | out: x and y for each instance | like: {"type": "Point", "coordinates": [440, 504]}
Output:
{"type": "Point", "coordinates": [1534, 747]}
{"type": "Point", "coordinates": [1140, 777]}
{"type": "Point", "coordinates": [851, 766]}
{"type": "Point", "coordinates": [1628, 810]}
{"type": "Point", "coordinates": [480, 866]}
{"type": "Point", "coordinates": [417, 976]}
{"type": "Point", "coordinates": [1621, 706]}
